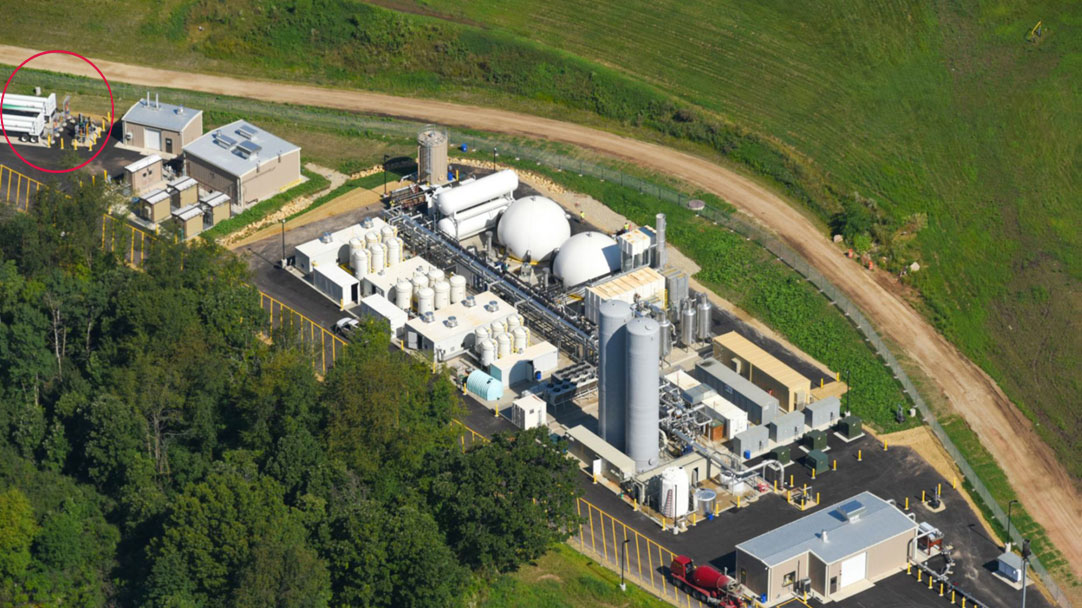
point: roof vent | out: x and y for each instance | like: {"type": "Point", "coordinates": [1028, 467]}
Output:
{"type": "Point", "coordinates": [428, 317]}
{"type": "Point", "coordinates": [366, 222]}
{"type": "Point", "coordinates": [451, 321]}
{"type": "Point", "coordinates": [469, 302]}
{"type": "Point", "coordinates": [326, 237]}
{"type": "Point", "coordinates": [823, 535]}
{"type": "Point", "coordinates": [851, 511]}
{"type": "Point", "coordinates": [492, 306]}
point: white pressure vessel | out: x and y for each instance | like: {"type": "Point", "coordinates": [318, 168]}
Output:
{"type": "Point", "coordinates": [503, 345]}
{"type": "Point", "coordinates": [442, 290]}
{"type": "Point", "coordinates": [403, 291]}
{"type": "Point", "coordinates": [425, 300]}
{"type": "Point", "coordinates": [458, 288]}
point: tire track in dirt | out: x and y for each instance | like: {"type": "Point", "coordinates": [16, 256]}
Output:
{"type": "Point", "coordinates": [1047, 491]}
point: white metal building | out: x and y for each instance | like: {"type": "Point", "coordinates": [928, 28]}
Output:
{"type": "Point", "coordinates": [450, 332]}
{"type": "Point", "coordinates": [341, 286]}
{"type": "Point", "coordinates": [519, 367]}
{"type": "Point", "coordinates": [528, 411]}
{"type": "Point", "coordinates": [734, 418]}
{"type": "Point", "coordinates": [644, 283]}
{"type": "Point", "coordinates": [335, 250]}
{"type": "Point", "coordinates": [383, 309]}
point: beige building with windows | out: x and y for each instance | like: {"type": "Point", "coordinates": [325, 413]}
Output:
{"type": "Point", "coordinates": [833, 552]}
{"type": "Point", "coordinates": [792, 389]}
{"type": "Point", "coordinates": [243, 161]}
{"type": "Point", "coordinates": [161, 127]}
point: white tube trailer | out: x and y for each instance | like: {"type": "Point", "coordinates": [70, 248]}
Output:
{"type": "Point", "coordinates": [25, 127]}
{"type": "Point", "coordinates": [46, 106]}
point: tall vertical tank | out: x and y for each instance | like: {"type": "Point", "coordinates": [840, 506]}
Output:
{"type": "Point", "coordinates": [442, 290]}
{"type": "Point", "coordinates": [386, 233]}
{"type": "Point", "coordinates": [394, 251]}
{"type": "Point", "coordinates": [479, 336]}
{"type": "Point", "coordinates": [435, 275]}
{"type": "Point", "coordinates": [687, 325]}
{"type": "Point", "coordinates": [371, 237]}
{"type": "Point", "coordinates": [503, 345]}
{"type": "Point", "coordinates": [659, 230]}
{"type": "Point", "coordinates": [403, 291]}
{"type": "Point", "coordinates": [643, 392]}
{"type": "Point", "coordinates": [675, 486]}
{"type": "Point", "coordinates": [355, 243]}
{"type": "Point", "coordinates": [375, 254]}
{"type": "Point", "coordinates": [358, 260]}
{"type": "Point", "coordinates": [432, 155]}
{"type": "Point", "coordinates": [665, 332]}
{"type": "Point", "coordinates": [420, 280]}
{"type": "Point", "coordinates": [612, 372]}
{"type": "Point", "coordinates": [488, 352]}
{"type": "Point", "coordinates": [703, 317]}
{"type": "Point", "coordinates": [519, 339]}
{"type": "Point", "coordinates": [458, 288]}
{"type": "Point", "coordinates": [425, 300]}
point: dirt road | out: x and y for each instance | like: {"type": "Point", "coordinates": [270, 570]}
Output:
{"type": "Point", "coordinates": [1048, 492]}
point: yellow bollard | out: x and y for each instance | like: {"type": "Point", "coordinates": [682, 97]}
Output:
{"type": "Point", "coordinates": [954, 484]}
{"type": "Point", "coordinates": [884, 446]}
{"type": "Point", "coordinates": [963, 602]}
{"type": "Point", "coordinates": [694, 519]}
{"type": "Point", "coordinates": [834, 465]}
{"type": "Point", "coordinates": [805, 487]}
{"type": "Point", "coordinates": [838, 377]}
{"type": "Point", "coordinates": [791, 484]}
{"type": "Point", "coordinates": [775, 485]}
{"type": "Point", "coordinates": [952, 597]}
{"type": "Point", "coordinates": [93, 179]}
{"type": "Point", "coordinates": [930, 581]}
{"type": "Point", "coordinates": [634, 504]}
{"type": "Point", "coordinates": [716, 507]}
{"type": "Point", "coordinates": [906, 503]}
{"type": "Point", "coordinates": [74, 144]}
{"type": "Point", "coordinates": [789, 496]}
{"type": "Point", "coordinates": [939, 489]}
{"type": "Point", "coordinates": [918, 576]}
{"type": "Point", "coordinates": [922, 496]}
{"type": "Point", "coordinates": [859, 455]}
{"type": "Point", "coordinates": [61, 143]}
{"type": "Point", "coordinates": [940, 589]}
{"type": "Point", "coordinates": [594, 475]}
{"type": "Point", "coordinates": [908, 568]}
{"type": "Point", "coordinates": [105, 175]}
{"type": "Point", "coordinates": [813, 473]}
{"type": "Point", "coordinates": [737, 501]}
{"type": "Point", "coordinates": [817, 498]}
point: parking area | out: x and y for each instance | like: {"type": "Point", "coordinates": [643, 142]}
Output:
{"type": "Point", "coordinates": [112, 159]}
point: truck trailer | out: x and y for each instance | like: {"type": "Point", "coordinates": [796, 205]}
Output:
{"type": "Point", "coordinates": [27, 126]}
{"type": "Point", "coordinates": [705, 583]}
{"type": "Point", "coordinates": [46, 106]}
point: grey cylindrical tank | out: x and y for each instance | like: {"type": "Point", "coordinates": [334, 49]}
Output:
{"type": "Point", "coordinates": [665, 331]}
{"type": "Point", "coordinates": [703, 317]}
{"type": "Point", "coordinates": [687, 325]}
{"type": "Point", "coordinates": [643, 387]}
{"type": "Point", "coordinates": [659, 256]}
{"type": "Point", "coordinates": [612, 372]}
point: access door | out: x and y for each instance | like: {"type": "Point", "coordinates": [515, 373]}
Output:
{"type": "Point", "coordinates": [854, 570]}
{"type": "Point", "coordinates": [153, 139]}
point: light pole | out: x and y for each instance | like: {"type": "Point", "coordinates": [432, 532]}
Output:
{"type": "Point", "coordinates": [623, 558]}
{"type": "Point", "coordinates": [385, 157]}
{"type": "Point", "coordinates": [1010, 505]}
{"type": "Point", "coordinates": [283, 222]}
{"type": "Point", "coordinates": [848, 390]}
{"type": "Point", "coordinates": [1025, 567]}
{"type": "Point", "coordinates": [494, 154]}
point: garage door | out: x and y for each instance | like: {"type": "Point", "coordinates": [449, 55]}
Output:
{"type": "Point", "coordinates": [153, 139]}
{"type": "Point", "coordinates": [854, 570]}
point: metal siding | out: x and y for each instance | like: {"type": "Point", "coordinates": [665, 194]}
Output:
{"type": "Point", "coordinates": [643, 386]}
{"type": "Point", "coordinates": [612, 370]}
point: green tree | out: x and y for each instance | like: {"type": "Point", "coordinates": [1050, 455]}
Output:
{"type": "Point", "coordinates": [17, 530]}
{"type": "Point", "coordinates": [283, 574]}
{"type": "Point", "coordinates": [506, 502]}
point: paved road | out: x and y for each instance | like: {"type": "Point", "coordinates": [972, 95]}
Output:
{"type": "Point", "coordinates": [1048, 492]}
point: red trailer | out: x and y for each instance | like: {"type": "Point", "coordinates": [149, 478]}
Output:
{"type": "Point", "coordinates": [705, 583]}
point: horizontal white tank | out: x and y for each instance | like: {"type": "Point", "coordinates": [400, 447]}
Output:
{"type": "Point", "coordinates": [403, 292]}
{"type": "Point", "coordinates": [425, 300]}
{"type": "Point", "coordinates": [453, 200]}
{"type": "Point", "coordinates": [503, 345]}
{"type": "Point", "coordinates": [458, 288]}
{"type": "Point", "coordinates": [442, 290]}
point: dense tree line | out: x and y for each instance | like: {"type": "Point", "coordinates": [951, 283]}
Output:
{"type": "Point", "coordinates": [156, 449]}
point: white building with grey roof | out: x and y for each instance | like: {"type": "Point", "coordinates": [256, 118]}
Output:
{"type": "Point", "coordinates": [837, 551]}
{"type": "Point", "coordinates": [243, 161]}
{"type": "Point", "coordinates": [161, 127]}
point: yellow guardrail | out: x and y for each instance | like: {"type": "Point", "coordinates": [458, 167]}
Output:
{"type": "Point", "coordinates": [17, 188]}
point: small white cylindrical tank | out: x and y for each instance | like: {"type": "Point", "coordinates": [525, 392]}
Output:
{"type": "Point", "coordinates": [394, 251]}
{"type": "Point", "coordinates": [488, 352]}
{"type": "Point", "coordinates": [479, 336]}
{"type": "Point", "coordinates": [355, 243]}
{"type": "Point", "coordinates": [519, 336]}
{"type": "Point", "coordinates": [376, 254]}
{"type": "Point", "coordinates": [435, 275]}
{"type": "Point", "coordinates": [425, 300]}
{"type": "Point", "coordinates": [512, 322]}
{"type": "Point", "coordinates": [420, 280]}
{"type": "Point", "coordinates": [371, 237]}
{"type": "Point", "coordinates": [442, 290]}
{"type": "Point", "coordinates": [675, 489]}
{"type": "Point", "coordinates": [503, 345]}
{"type": "Point", "coordinates": [386, 233]}
{"type": "Point", "coordinates": [358, 260]}
{"type": "Point", "coordinates": [498, 327]}
{"type": "Point", "coordinates": [458, 288]}
{"type": "Point", "coordinates": [403, 292]}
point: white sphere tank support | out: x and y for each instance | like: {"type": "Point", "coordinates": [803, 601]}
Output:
{"type": "Point", "coordinates": [503, 344]}
{"type": "Point", "coordinates": [675, 488]}
{"type": "Point", "coordinates": [425, 300]}
{"type": "Point", "coordinates": [403, 292]}
{"type": "Point", "coordinates": [458, 288]}
{"type": "Point", "coordinates": [358, 260]}
{"type": "Point", "coordinates": [533, 227]}
{"type": "Point", "coordinates": [442, 291]}
{"type": "Point", "coordinates": [584, 257]}
{"type": "Point", "coordinates": [453, 200]}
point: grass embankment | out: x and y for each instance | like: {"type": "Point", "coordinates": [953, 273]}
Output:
{"type": "Point", "coordinates": [565, 578]}
{"type": "Point", "coordinates": [315, 183]}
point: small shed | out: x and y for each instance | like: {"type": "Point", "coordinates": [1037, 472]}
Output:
{"type": "Point", "coordinates": [823, 413]}
{"type": "Point", "coordinates": [735, 419]}
{"type": "Point", "coordinates": [184, 191]}
{"type": "Point", "coordinates": [484, 386]}
{"type": "Point", "coordinates": [1010, 566]}
{"type": "Point", "coordinates": [144, 174]}
{"type": "Point", "coordinates": [851, 427]}
{"type": "Point", "coordinates": [751, 443]}
{"type": "Point", "coordinates": [787, 427]}
{"type": "Point", "coordinates": [815, 440]}
{"type": "Point", "coordinates": [164, 127]}
{"type": "Point", "coordinates": [781, 454]}
{"type": "Point", "coordinates": [528, 412]}
{"type": "Point", "coordinates": [816, 461]}
{"type": "Point", "coordinates": [190, 220]}
{"type": "Point", "coordinates": [215, 207]}
{"type": "Point", "coordinates": [381, 308]}
{"type": "Point", "coordinates": [340, 285]}
{"type": "Point", "coordinates": [154, 206]}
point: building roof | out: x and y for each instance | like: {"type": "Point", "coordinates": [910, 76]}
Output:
{"type": "Point", "coordinates": [468, 317]}
{"type": "Point", "coordinates": [183, 183]}
{"type": "Point", "coordinates": [724, 408]}
{"type": "Point", "coordinates": [187, 213]}
{"type": "Point", "coordinates": [788, 419]}
{"type": "Point", "coordinates": [603, 449]}
{"type": "Point", "coordinates": [336, 275]}
{"type": "Point", "coordinates": [143, 163]}
{"type": "Point", "coordinates": [160, 115]}
{"type": "Point", "coordinates": [762, 361]}
{"type": "Point", "coordinates": [385, 309]}
{"type": "Point", "coordinates": [214, 199]}
{"type": "Point", "coordinates": [238, 148]}
{"type": "Point", "coordinates": [851, 526]}
{"type": "Point", "coordinates": [156, 195]}
{"type": "Point", "coordinates": [1011, 559]}
{"type": "Point", "coordinates": [633, 281]}
{"type": "Point", "coordinates": [830, 403]}
{"type": "Point", "coordinates": [740, 384]}
{"type": "Point", "coordinates": [753, 433]}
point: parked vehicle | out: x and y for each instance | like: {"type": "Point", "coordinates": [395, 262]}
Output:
{"type": "Point", "coordinates": [346, 325]}
{"type": "Point", "coordinates": [27, 126]}
{"type": "Point", "coordinates": [705, 583]}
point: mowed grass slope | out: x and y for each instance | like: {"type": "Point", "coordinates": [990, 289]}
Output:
{"type": "Point", "coordinates": [937, 113]}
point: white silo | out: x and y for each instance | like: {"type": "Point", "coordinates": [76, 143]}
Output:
{"type": "Point", "coordinates": [643, 392]}
{"type": "Point", "coordinates": [612, 372]}
{"type": "Point", "coordinates": [432, 155]}
{"type": "Point", "coordinates": [371, 237]}
{"type": "Point", "coordinates": [386, 233]}
{"type": "Point", "coordinates": [394, 251]}
{"type": "Point", "coordinates": [488, 352]}
{"type": "Point", "coordinates": [435, 275]}
{"type": "Point", "coordinates": [479, 336]}
{"type": "Point", "coordinates": [513, 321]}
{"type": "Point", "coordinates": [358, 260]}
{"type": "Point", "coordinates": [503, 345]}
{"type": "Point", "coordinates": [458, 288]}
{"type": "Point", "coordinates": [442, 290]}
{"type": "Point", "coordinates": [355, 243]}
{"type": "Point", "coordinates": [420, 279]}
{"type": "Point", "coordinates": [703, 318]}
{"type": "Point", "coordinates": [376, 255]}
{"type": "Point", "coordinates": [425, 300]}
{"type": "Point", "coordinates": [518, 336]}
{"type": "Point", "coordinates": [403, 292]}
{"type": "Point", "coordinates": [498, 327]}
{"type": "Point", "coordinates": [675, 490]}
